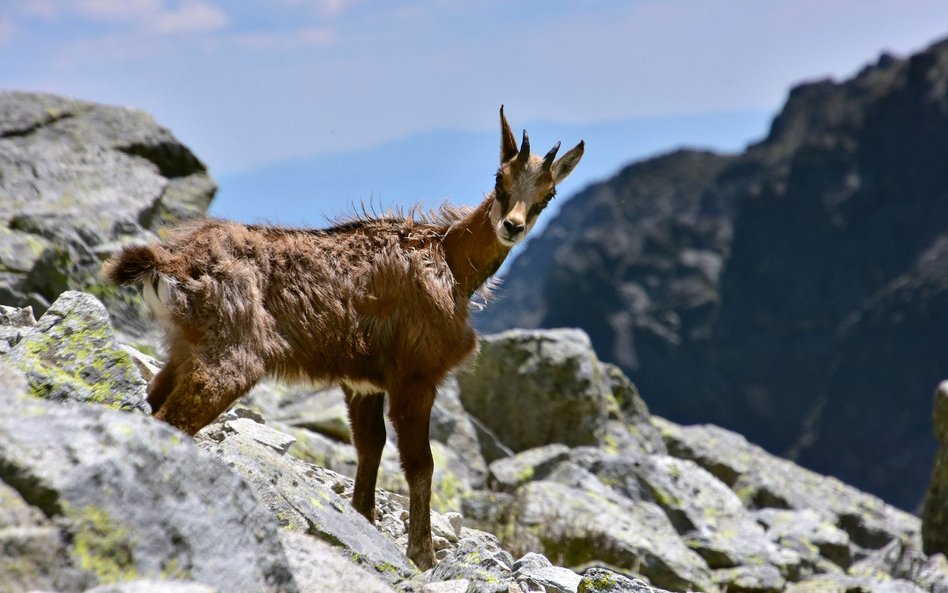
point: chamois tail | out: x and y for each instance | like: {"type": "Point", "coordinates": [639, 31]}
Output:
{"type": "Point", "coordinates": [131, 265]}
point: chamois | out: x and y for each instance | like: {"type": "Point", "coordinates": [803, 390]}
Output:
{"type": "Point", "coordinates": [377, 305]}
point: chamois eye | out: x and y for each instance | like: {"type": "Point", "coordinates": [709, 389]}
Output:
{"type": "Point", "coordinates": [549, 196]}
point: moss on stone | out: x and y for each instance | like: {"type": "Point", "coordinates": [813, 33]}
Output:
{"type": "Point", "coordinates": [599, 583]}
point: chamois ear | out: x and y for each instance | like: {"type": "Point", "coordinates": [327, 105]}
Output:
{"type": "Point", "coordinates": [508, 142]}
{"type": "Point", "coordinates": [568, 162]}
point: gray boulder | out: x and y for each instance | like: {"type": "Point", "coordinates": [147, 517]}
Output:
{"type": "Point", "coordinates": [105, 496]}
{"type": "Point", "coordinates": [760, 578]}
{"type": "Point", "coordinates": [71, 354]}
{"type": "Point", "coordinates": [601, 580]}
{"type": "Point", "coordinates": [534, 388]}
{"type": "Point", "coordinates": [509, 473]}
{"type": "Point", "coordinates": [575, 526]}
{"type": "Point", "coordinates": [78, 179]}
{"type": "Point", "coordinates": [935, 511]}
{"type": "Point", "coordinates": [15, 322]}
{"type": "Point", "coordinates": [807, 533]}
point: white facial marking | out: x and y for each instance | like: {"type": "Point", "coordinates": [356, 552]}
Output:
{"type": "Point", "coordinates": [515, 224]}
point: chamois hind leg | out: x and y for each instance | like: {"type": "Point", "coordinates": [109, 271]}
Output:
{"type": "Point", "coordinates": [368, 436]}
{"type": "Point", "coordinates": [207, 386]}
{"type": "Point", "coordinates": [410, 411]}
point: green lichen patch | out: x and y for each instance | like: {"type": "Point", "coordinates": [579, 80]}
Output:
{"type": "Point", "coordinates": [102, 546]}
{"type": "Point", "coordinates": [72, 355]}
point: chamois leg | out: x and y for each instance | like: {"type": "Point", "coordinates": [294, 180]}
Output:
{"type": "Point", "coordinates": [162, 384]}
{"type": "Point", "coordinates": [410, 411]}
{"type": "Point", "coordinates": [368, 436]}
{"type": "Point", "coordinates": [205, 389]}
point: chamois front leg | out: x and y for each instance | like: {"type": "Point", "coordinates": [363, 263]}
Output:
{"type": "Point", "coordinates": [410, 411]}
{"type": "Point", "coordinates": [368, 436]}
{"type": "Point", "coordinates": [203, 388]}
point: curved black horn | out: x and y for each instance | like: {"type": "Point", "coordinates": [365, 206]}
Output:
{"type": "Point", "coordinates": [524, 154]}
{"type": "Point", "coordinates": [548, 159]}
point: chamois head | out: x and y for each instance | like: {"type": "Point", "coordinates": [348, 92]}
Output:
{"type": "Point", "coordinates": [525, 183]}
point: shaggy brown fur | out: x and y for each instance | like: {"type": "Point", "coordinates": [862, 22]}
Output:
{"type": "Point", "coordinates": [378, 305]}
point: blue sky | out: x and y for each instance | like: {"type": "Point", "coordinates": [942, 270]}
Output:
{"type": "Point", "coordinates": [249, 84]}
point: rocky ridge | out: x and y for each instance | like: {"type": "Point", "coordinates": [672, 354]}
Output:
{"type": "Point", "coordinates": [585, 491]}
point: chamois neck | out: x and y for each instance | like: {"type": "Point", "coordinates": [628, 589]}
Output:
{"type": "Point", "coordinates": [472, 250]}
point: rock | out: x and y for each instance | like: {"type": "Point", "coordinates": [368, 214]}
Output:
{"type": "Point", "coordinates": [487, 571]}
{"type": "Point", "coordinates": [904, 559]}
{"type": "Point", "coordinates": [507, 474]}
{"type": "Point", "coordinates": [300, 497]}
{"type": "Point", "coordinates": [530, 561]}
{"type": "Point", "coordinates": [641, 436]}
{"type": "Point", "coordinates": [72, 354]}
{"type": "Point", "coordinates": [933, 574]}
{"type": "Point", "coordinates": [707, 514]}
{"type": "Point", "coordinates": [762, 480]}
{"type": "Point", "coordinates": [253, 429]}
{"type": "Point", "coordinates": [452, 586]}
{"type": "Point", "coordinates": [935, 511]}
{"type": "Point", "coordinates": [317, 566]}
{"type": "Point", "coordinates": [77, 180]}
{"type": "Point", "coordinates": [323, 412]}
{"type": "Point", "coordinates": [575, 526]}
{"type": "Point", "coordinates": [601, 580]}
{"type": "Point", "coordinates": [148, 366]}
{"type": "Point", "coordinates": [547, 376]}
{"type": "Point", "coordinates": [553, 579]}
{"type": "Point", "coordinates": [454, 427]}
{"type": "Point", "coordinates": [806, 532]}
{"type": "Point", "coordinates": [750, 579]}
{"type": "Point", "coordinates": [835, 583]}
{"type": "Point", "coordinates": [15, 322]}
{"type": "Point", "coordinates": [126, 497]}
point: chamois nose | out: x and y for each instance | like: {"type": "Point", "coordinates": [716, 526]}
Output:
{"type": "Point", "coordinates": [513, 229]}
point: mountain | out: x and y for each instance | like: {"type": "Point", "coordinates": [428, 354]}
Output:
{"type": "Point", "coordinates": [794, 292]}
